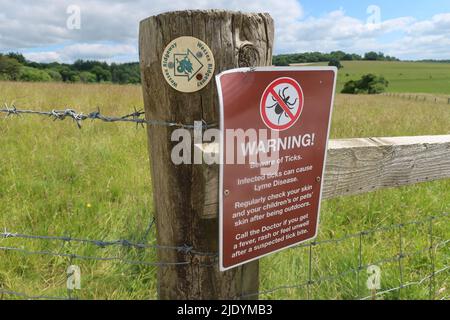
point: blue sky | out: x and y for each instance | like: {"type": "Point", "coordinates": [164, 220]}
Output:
{"type": "Point", "coordinates": [108, 29]}
{"type": "Point", "coordinates": [390, 8]}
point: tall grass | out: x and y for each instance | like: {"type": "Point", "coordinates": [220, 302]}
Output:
{"type": "Point", "coordinates": [95, 183]}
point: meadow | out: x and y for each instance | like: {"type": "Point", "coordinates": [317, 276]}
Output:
{"type": "Point", "coordinates": [407, 77]}
{"type": "Point", "coordinates": [56, 179]}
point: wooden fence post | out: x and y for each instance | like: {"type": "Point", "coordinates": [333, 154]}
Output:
{"type": "Point", "coordinates": [236, 40]}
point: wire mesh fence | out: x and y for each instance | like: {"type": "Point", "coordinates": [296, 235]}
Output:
{"type": "Point", "coordinates": [316, 263]}
{"type": "Point", "coordinates": [431, 274]}
{"type": "Point", "coordinates": [437, 247]}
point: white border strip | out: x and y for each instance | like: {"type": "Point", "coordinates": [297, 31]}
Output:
{"type": "Point", "coordinates": [222, 155]}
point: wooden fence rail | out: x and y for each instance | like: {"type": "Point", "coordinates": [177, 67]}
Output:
{"type": "Point", "coordinates": [419, 97]}
{"type": "Point", "coordinates": [362, 165]}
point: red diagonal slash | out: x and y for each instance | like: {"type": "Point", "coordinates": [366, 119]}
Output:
{"type": "Point", "coordinates": [282, 104]}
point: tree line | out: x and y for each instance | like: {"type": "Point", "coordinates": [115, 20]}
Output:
{"type": "Point", "coordinates": [314, 57]}
{"type": "Point", "coordinates": [15, 67]}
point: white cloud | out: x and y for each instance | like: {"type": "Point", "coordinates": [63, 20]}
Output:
{"type": "Point", "coordinates": [26, 24]}
{"type": "Point", "coordinates": [35, 26]}
{"type": "Point", "coordinates": [40, 24]}
{"type": "Point", "coordinates": [338, 31]}
{"type": "Point", "coordinates": [103, 52]}
{"type": "Point", "coordinates": [439, 24]}
{"type": "Point", "coordinates": [427, 39]}
{"type": "Point", "coordinates": [46, 56]}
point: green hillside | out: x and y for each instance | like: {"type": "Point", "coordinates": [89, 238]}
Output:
{"type": "Point", "coordinates": [414, 77]}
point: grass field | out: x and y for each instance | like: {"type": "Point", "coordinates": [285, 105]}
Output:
{"type": "Point", "coordinates": [95, 183]}
{"type": "Point", "coordinates": [410, 77]}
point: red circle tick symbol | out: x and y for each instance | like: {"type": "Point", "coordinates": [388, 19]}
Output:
{"type": "Point", "coordinates": [282, 104]}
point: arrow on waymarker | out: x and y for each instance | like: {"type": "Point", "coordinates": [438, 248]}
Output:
{"type": "Point", "coordinates": [190, 55]}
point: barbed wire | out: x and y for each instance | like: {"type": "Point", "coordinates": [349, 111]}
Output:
{"type": "Point", "coordinates": [29, 297]}
{"type": "Point", "coordinates": [79, 117]}
{"type": "Point", "coordinates": [377, 294]}
{"type": "Point", "coordinates": [304, 284]}
{"type": "Point", "coordinates": [189, 250]}
{"type": "Point", "coordinates": [81, 257]}
{"type": "Point", "coordinates": [185, 249]}
{"type": "Point", "coordinates": [100, 243]}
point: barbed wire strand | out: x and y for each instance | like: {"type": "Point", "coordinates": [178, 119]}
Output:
{"type": "Point", "coordinates": [79, 117]}
{"type": "Point", "coordinates": [380, 293]}
{"type": "Point", "coordinates": [31, 297]}
{"type": "Point", "coordinates": [307, 283]}
{"type": "Point", "coordinates": [190, 250]}
{"type": "Point", "coordinates": [186, 249]}
{"type": "Point", "coordinates": [81, 257]}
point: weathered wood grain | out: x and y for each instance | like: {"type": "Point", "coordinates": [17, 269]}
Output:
{"type": "Point", "coordinates": [180, 192]}
{"type": "Point", "coordinates": [356, 166]}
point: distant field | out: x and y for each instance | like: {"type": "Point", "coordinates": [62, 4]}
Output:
{"type": "Point", "coordinates": [411, 77]}
{"type": "Point", "coordinates": [95, 183]}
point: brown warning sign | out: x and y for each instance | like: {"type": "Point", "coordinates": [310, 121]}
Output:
{"type": "Point", "coordinates": [275, 125]}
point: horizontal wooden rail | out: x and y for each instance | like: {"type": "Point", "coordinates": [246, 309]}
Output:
{"type": "Point", "coordinates": [356, 166]}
